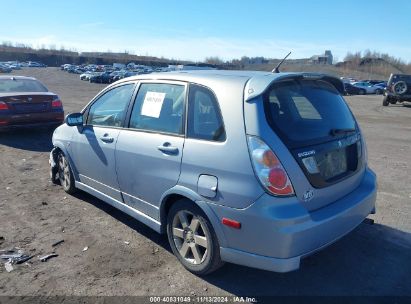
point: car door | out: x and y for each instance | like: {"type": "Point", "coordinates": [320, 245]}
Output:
{"type": "Point", "coordinates": [93, 146]}
{"type": "Point", "coordinates": [149, 150]}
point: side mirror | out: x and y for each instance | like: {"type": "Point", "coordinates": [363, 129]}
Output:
{"type": "Point", "coordinates": [74, 119]}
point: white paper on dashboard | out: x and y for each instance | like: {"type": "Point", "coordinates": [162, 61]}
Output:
{"type": "Point", "coordinates": [153, 102]}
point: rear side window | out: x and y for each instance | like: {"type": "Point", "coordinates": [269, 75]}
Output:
{"type": "Point", "coordinates": [304, 112]}
{"type": "Point", "coordinates": [110, 108]}
{"type": "Point", "coordinates": [204, 117]}
{"type": "Point", "coordinates": [159, 107]}
{"type": "Point", "coordinates": [21, 85]}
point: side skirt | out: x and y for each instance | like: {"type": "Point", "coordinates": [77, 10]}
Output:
{"type": "Point", "coordinates": [145, 219]}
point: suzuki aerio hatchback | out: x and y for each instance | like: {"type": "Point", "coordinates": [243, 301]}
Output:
{"type": "Point", "coordinates": [253, 168]}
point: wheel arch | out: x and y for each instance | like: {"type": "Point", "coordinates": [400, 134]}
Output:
{"type": "Point", "coordinates": [179, 192]}
{"type": "Point", "coordinates": [58, 146]}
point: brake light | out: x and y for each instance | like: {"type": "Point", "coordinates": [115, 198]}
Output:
{"type": "Point", "coordinates": [268, 168]}
{"type": "Point", "coordinates": [3, 106]}
{"type": "Point", "coordinates": [56, 103]}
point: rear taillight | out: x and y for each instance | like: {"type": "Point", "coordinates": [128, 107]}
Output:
{"type": "Point", "coordinates": [56, 103]}
{"type": "Point", "coordinates": [268, 168]}
{"type": "Point", "coordinates": [3, 106]}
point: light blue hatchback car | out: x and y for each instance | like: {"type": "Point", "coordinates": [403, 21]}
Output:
{"type": "Point", "coordinates": [253, 168]}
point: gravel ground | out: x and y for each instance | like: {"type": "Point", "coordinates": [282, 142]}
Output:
{"type": "Point", "coordinates": [372, 260]}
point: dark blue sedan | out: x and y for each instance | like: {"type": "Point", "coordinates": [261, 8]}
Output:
{"type": "Point", "coordinates": [24, 101]}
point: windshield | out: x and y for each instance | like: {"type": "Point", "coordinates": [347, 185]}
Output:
{"type": "Point", "coordinates": [21, 85]}
{"type": "Point", "coordinates": [306, 112]}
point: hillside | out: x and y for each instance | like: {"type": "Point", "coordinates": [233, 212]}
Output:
{"type": "Point", "coordinates": [367, 68]}
{"type": "Point", "coordinates": [52, 57]}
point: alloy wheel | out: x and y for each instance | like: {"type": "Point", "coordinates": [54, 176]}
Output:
{"type": "Point", "coordinates": [64, 172]}
{"type": "Point", "coordinates": [190, 237]}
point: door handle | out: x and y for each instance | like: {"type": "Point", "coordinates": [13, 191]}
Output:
{"type": "Point", "coordinates": [106, 138]}
{"type": "Point", "coordinates": [167, 148]}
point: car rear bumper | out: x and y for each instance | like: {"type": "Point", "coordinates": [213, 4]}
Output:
{"type": "Point", "coordinates": [31, 119]}
{"type": "Point", "coordinates": [276, 236]}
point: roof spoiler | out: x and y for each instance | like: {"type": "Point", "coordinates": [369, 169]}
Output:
{"type": "Point", "coordinates": [257, 85]}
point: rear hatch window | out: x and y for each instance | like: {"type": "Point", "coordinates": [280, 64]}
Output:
{"type": "Point", "coordinates": [21, 85]}
{"type": "Point", "coordinates": [315, 123]}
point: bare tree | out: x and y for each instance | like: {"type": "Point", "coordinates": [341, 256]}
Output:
{"type": "Point", "coordinates": [213, 60]}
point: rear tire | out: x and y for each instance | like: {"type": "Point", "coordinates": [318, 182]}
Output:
{"type": "Point", "coordinates": [385, 101]}
{"type": "Point", "coordinates": [192, 238]}
{"type": "Point", "coordinates": [65, 174]}
{"type": "Point", "coordinates": [362, 92]}
{"type": "Point", "coordinates": [54, 175]}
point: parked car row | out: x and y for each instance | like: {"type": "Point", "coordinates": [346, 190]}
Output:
{"type": "Point", "coordinates": [109, 73]}
{"type": "Point", "coordinates": [106, 77]}
{"type": "Point", "coordinates": [8, 66]}
{"type": "Point", "coordinates": [362, 87]}
{"type": "Point", "coordinates": [368, 87]}
{"type": "Point", "coordinates": [5, 68]}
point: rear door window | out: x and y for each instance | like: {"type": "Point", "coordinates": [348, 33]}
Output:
{"type": "Point", "coordinates": [159, 107]}
{"type": "Point", "coordinates": [305, 112]}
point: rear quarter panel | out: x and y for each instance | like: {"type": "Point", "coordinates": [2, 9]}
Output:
{"type": "Point", "coordinates": [229, 161]}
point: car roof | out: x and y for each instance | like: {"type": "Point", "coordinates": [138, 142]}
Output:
{"type": "Point", "coordinates": [198, 75]}
{"type": "Point", "coordinates": [17, 77]}
{"type": "Point", "coordinates": [253, 82]}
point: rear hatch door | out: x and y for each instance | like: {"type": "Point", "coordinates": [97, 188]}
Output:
{"type": "Point", "coordinates": [312, 120]}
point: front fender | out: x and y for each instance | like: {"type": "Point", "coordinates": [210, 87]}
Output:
{"type": "Point", "coordinates": [59, 146]}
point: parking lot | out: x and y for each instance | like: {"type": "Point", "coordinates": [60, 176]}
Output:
{"type": "Point", "coordinates": [372, 260]}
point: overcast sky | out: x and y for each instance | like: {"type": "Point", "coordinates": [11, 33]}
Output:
{"type": "Point", "coordinates": [193, 30]}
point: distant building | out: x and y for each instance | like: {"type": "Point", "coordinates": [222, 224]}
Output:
{"type": "Point", "coordinates": [327, 58]}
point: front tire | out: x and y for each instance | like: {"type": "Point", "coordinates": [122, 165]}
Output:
{"type": "Point", "coordinates": [65, 174]}
{"type": "Point", "coordinates": [192, 238]}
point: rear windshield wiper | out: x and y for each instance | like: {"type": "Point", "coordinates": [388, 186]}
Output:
{"type": "Point", "coordinates": [335, 132]}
